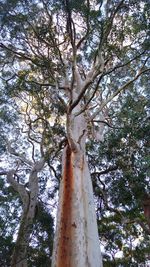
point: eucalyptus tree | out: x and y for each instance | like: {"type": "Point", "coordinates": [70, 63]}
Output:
{"type": "Point", "coordinates": [22, 169]}
{"type": "Point", "coordinates": [40, 246]}
{"type": "Point", "coordinates": [81, 55]}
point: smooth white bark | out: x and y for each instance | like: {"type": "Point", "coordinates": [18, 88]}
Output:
{"type": "Point", "coordinates": [76, 240]}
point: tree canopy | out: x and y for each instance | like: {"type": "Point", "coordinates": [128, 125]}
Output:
{"type": "Point", "coordinates": [49, 48]}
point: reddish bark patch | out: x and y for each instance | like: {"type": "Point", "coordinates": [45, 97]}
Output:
{"type": "Point", "coordinates": [146, 205]}
{"type": "Point", "coordinates": [67, 226]}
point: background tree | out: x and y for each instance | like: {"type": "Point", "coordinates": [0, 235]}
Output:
{"type": "Point", "coordinates": [121, 181]}
{"type": "Point", "coordinates": [25, 183]}
{"type": "Point", "coordinates": [62, 77]}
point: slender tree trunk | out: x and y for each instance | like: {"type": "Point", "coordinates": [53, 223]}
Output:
{"type": "Point", "coordinates": [29, 200]}
{"type": "Point", "coordinates": [19, 257]}
{"type": "Point", "coordinates": [76, 239]}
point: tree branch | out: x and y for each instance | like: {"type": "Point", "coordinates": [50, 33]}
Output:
{"type": "Point", "coordinates": [87, 27]}
{"type": "Point", "coordinates": [118, 91]}
{"type": "Point", "coordinates": [108, 124]}
{"type": "Point", "coordinates": [87, 82]}
{"type": "Point", "coordinates": [19, 54]}
{"type": "Point", "coordinates": [21, 157]}
{"type": "Point", "coordinates": [20, 188]}
{"type": "Point", "coordinates": [111, 168]}
{"type": "Point", "coordinates": [125, 64]}
{"type": "Point", "coordinates": [92, 96]}
{"type": "Point", "coordinates": [109, 27]}
{"type": "Point", "coordinates": [70, 26]}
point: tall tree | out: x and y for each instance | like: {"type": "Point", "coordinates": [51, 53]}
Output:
{"type": "Point", "coordinates": [80, 55]}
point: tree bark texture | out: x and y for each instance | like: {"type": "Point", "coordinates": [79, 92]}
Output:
{"type": "Point", "coordinates": [19, 257]}
{"type": "Point", "coordinates": [76, 238]}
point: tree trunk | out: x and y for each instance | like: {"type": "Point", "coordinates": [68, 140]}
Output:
{"type": "Point", "coordinates": [29, 200]}
{"type": "Point", "coordinates": [76, 239]}
{"type": "Point", "coordinates": [19, 257]}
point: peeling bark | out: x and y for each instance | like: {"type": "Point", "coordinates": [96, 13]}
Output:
{"type": "Point", "coordinates": [66, 229]}
{"type": "Point", "coordinates": [76, 239]}
{"type": "Point", "coordinates": [76, 242]}
{"type": "Point", "coordinates": [146, 207]}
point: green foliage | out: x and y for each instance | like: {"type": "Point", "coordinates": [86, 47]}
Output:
{"type": "Point", "coordinates": [122, 190]}
{"type": "Point", "coordinates": [40, 251]}
{"type": "Point", "coordinates": [35, 42]}
{"type": "Point", "coordinates": [9, 211]}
